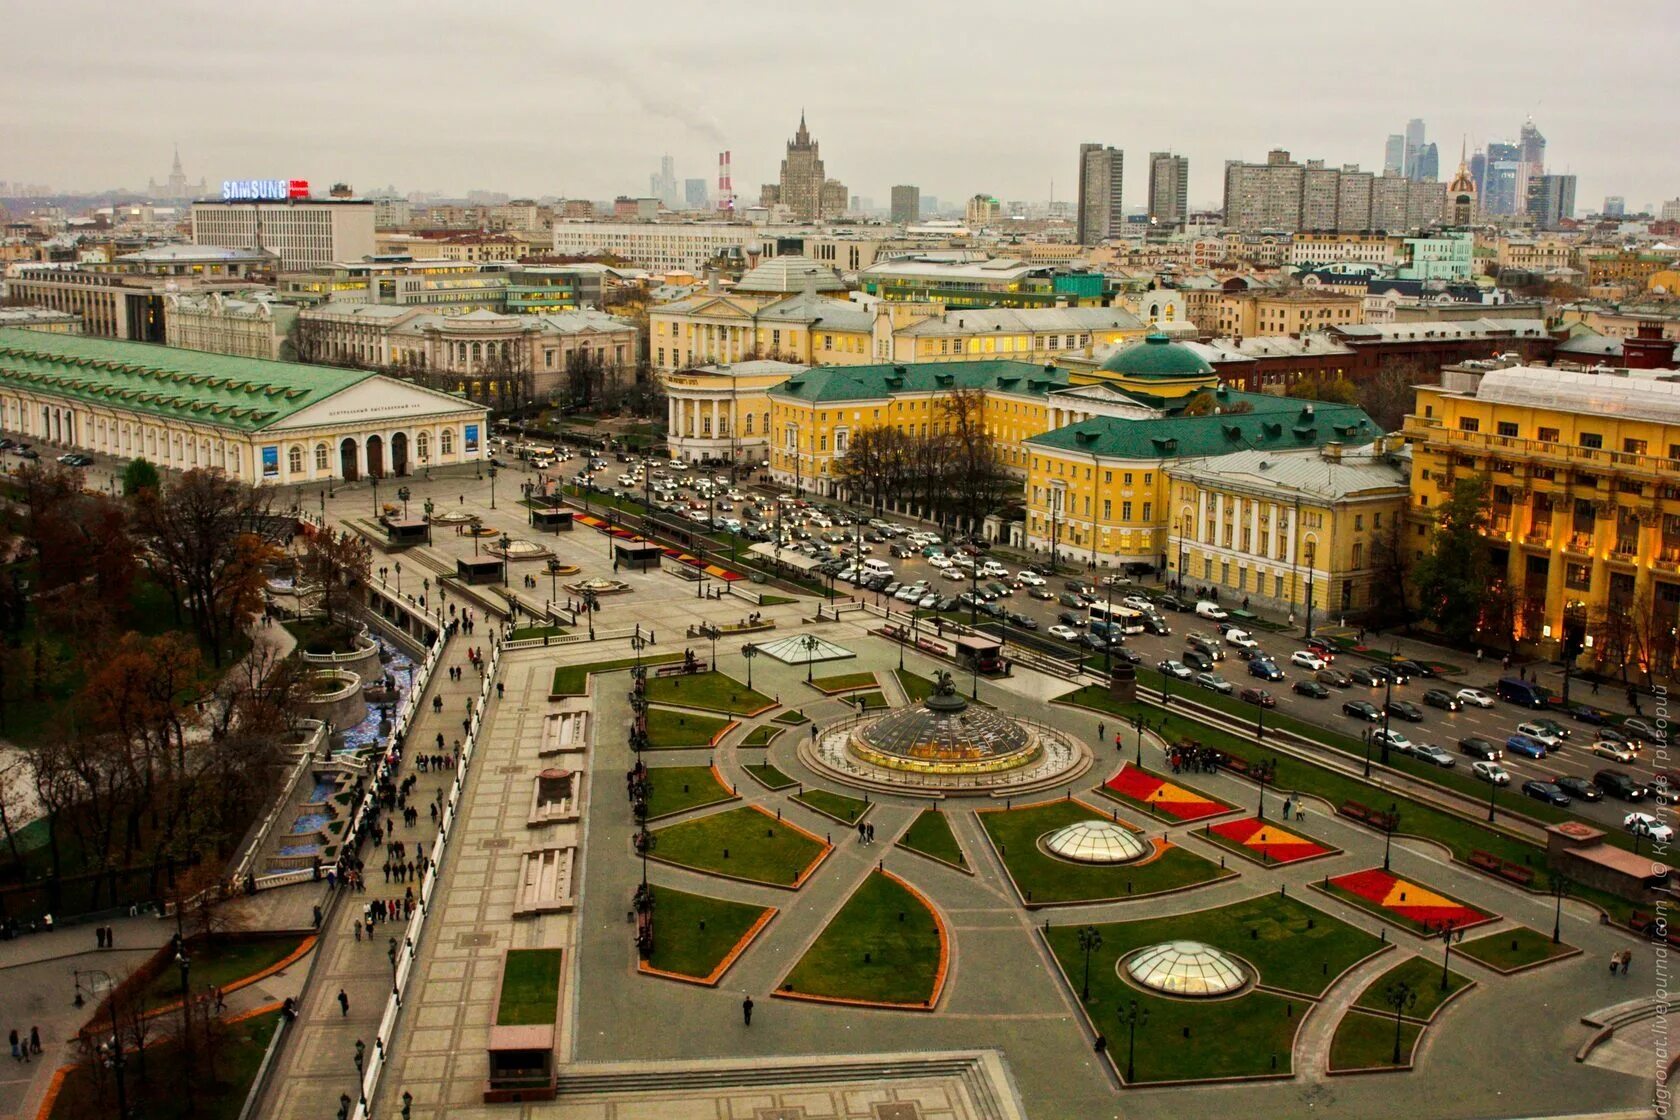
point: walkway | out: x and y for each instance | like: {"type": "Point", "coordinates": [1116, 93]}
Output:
{"type": "Point", "coordinates": [316, 1062]}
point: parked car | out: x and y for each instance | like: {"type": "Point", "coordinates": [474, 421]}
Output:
{"type": "Point", "coordinates": [1176, 669]}
{"type": "Point", "coordinates": [1644, 824]}
{"type": "Point", "coordinates": [1619, 784]}
{"type": "Point", "coordinates": [1577, 787]}
{"type": "Point", "coordinates": [1311, 689]}
{"type": "Point", "coordinates": [1361, 709]}
{"type": "Point", "coordinates": [1406, 710]}
{"type": "Point", "coordinates": [1491, 772]}
{"type": "Point", "coordinates": [1395, 740]}
{"type": "Point", "coordinates": [1474, 698]}
{"type": "Point", "coordinates": [1441, 698]}
{"type": "Point", "coordinates": [1258, 696]}
{"type": "Point", "coordinates": [1545, 791]}
{"type": "Point", "coordinates": [1477, 747]}
{"type": "Point", "coordinates": [1213, 682]}
{"type": "Point", "coordinates": [1434, 755]}
{"type": "Point", "coordinates": [1308, 659]}
{"type": "Point", "coordinates": [1618, 752]}
{"type": "Point", "coordinates": [1335, 678]}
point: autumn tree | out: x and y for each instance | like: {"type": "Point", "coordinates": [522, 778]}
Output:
{"type": "Point", "coordinates": [337, 561]}
{"type": "Point", "coordinates": [1452, 577]}
{"type": "Point", "coordinates": [139, 475]}
{"type": "Point", "coordinates": [873, 465]}
{"type": "Point", "coordinates": [1329, 388]}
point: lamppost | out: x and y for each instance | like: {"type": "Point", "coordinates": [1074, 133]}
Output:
{"type": "Point", "coordinates": [115, 1045]}
{"type": "Point", "coordinates": [1560, 890]}
{"type": "Point", "coordinates": [750, 651]}
{"type": "Point", "coordinates": [375, 494]}
{"type": "Point", "coordinates": [1389, 826]}
{"type": "Point", "coordinates": [504, 542]}
{"type": "Point", "coordinates": [1133, 1016]}
{"type": "Point", "coordinates": [1446, 935]}
{"type": "Point", "coordinates": [429, 508]}
{"type": "Point", "coordinates": [1090, 940]}
{"type": "Point", "coordinates": [1401, 996]}
{"type": "Point", "coordinates": [403, 495]}
{"type": "Point", "coordinates": [1492, 786]}
{"type": "Point", "coordinates": [638, 643]}
{"type": "Point", "coordinates": [591, 604]}
{"type": "Point", "coordinates": [810, 644]}
{"type": "Point", "coordinates": [397, 567]}
{"type": "Point", "coordinates": [1264, 772]}
{"type": "Point", "coordinates": [493, 486]}
{"type": "Point", "coordinates": [553, 579]}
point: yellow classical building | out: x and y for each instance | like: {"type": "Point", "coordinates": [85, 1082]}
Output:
{"type": "Point", "coordinates": [721, 413]}
{"type": "Point", "coordinates": [807, 328]}
{"type": "Point", "coordinates": [1585, 504]}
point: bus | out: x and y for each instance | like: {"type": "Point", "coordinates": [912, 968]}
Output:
{"type": "Point", "coordinates": [1116, 618]}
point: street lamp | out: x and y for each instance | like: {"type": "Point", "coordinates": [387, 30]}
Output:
{"type": "Point", "coordinates": [1264, 772]}
{"type": "Point", "coordinates": [1311, 556]}
{"type": "Point", "coordinates": [492, 486]}
{"type": "Point", "coordinates": [591, 604]}
{"type": "Point", "coordinates": [375, 495]}
{"type": "Point", "coordinates": [1446, 935]}
{"type": "Point", "coordinates": [810, 643]}
{"type": "Point", "coordinates": [403, 495]}
{"type": "Point", "coordinates": [1389, 826]}
{"type": "Point", "coordinates": [504, 542]}
{"type": "Point", "coordinates": [750, 651]}
{"type": "Point", "coordinates": [1090, 940]}
{"type": "Point", "coordinates": [1560, 889]}
{"type": "Point", "coordinates": [1401, 996]}
{"type": "Point", "coordinates": [1133, 1016]}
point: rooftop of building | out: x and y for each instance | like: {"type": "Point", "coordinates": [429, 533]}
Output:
{"type": "Point", "coordinates": [758, 367]}
{"type": "Point", "coordinates": [819, 310]}
{"type": "Point", "coordinates": [190, 385]}
{"type": "Point", "coordinates": [1331, 473]}
{"type": "Point", "coordinates": [1440, 329]}
{"type": "Point", "coordinates": [1652, 395]}
{"type": "Point", "coordinates": [1156, 356]}
{"type": "Point", "coordinates": [1025, 320]}
{"type": "Point", "coordinates": [996, 270]}
{"type": "Point", "coordinates": [40, 316]}
{"type": "Point", "coordinates": [791, 274]}
{"type": "Point", "coordinates": [193, 254]}
{"type": "Point", "coordinates": [824, 384]}
{"type": "Point", "coordinates": [1270, 423]}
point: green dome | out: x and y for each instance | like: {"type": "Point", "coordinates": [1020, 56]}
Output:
{"type": "Point", "coordinates": [1156, 355]}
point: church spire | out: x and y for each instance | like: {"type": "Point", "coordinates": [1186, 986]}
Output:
{"type": "Point", "coordinates": [175, 168]}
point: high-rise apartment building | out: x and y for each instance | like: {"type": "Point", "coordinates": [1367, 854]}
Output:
{"type": "Point", "coordinates": [1615, 206]}
{"type": "Point", "coordinates": [1551, 200]}
{"type": "Point", "coordinates": [1394, 154]}
{"type": "Point", "coordinates": [1169, 188]}
{"type": "Point", "coordinates": [1426, 165]}
{"type": "Point", "coordinates": [982, 212]}
{"type": "Point", "coordinates": [1264, 195]}
{"type": "Point", "coordinates": [1671, 210]}
{"type": "Point", "coordinates": [1287, 196]}
{"type": "Point", "coordinates": [802, 181]}
{"type": "Point", "coordinates": [1531, 158]}
{"type": "Point", "coordinates": [906, 203]}
{"type": "Point", "coordinates": [694, 194]}
{"type": "Point", "coordinates": [1414, 146]}
{"type": "Point", "coordinates": [1101, 172]}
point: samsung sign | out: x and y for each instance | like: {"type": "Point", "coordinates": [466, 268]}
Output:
{"type": "Point", "coordinates": [264, 190]}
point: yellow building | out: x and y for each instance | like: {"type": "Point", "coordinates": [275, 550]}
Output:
{"type": "Point", "coordinates": [815, 414]}
{"type": "Point", "coordinates": [721, 414]}
{"type": "Point", "coordinates": [1098, 491]}
{"type": "Point", "coordinates": [1027, 334]}
{"type": "Point", "coordinates": [806, 328]}
{"type": "Point", "coordinates": [1585, 503]}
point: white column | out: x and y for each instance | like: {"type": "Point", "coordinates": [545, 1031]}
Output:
{"type": "Point", "coordinates": [1201, 515]}
{"type": "Point", "coordinates": [715, 414]}
{"type": "Point", "coordinates": [1289, 541]}
{"type": "Point", "coordinates": [1254, 527]}
{"type": "Point", "coordinates": [671, 415]}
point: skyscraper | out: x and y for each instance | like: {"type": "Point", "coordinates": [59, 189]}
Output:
{"type": "Point", "coordinates": [1414, 146]}
{"type": "Point", "coordinates": [1615, 206]}
{"type": "Point", "coordinates": [1531, 158]}
{"type": "Point", "coordinates": [663, 185]}
{"type": "Point", "coordinates": [1169, 188]}
{"type": "Point", "coordinates": [801, 187]}
{"type": "Point", "coordinates": [1101, 171]}
{"type": "Point", "coordinates": [1478, 170]}
{"type": "Point", "coordinates": [1394, 154]}
{"type": "Point", "coordinates": [1498, 192]}
{"type": "Point", "coordinates": [906, 203]}
{"type": "Point", "coordinates": [694, 194]}
{"type": "Point", "coordinates": [1426, 165]}
{"type": "Point", "coordinates": [1551, 200]}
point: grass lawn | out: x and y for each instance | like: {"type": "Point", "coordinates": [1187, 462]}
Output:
{"type": "Point", "coordinates": [1228, 1037]}
{"type": "Point", "coordinates": [844, 682]}
{"type": "Point", "coordinates": [712, 691]}
{"type": "Point", "coordinates": [530, 988]}
{"type": "Point", "coordinates": [760, 736]}
{"type": "Point", "coordinates": [693, 934]}
{"type": "Point", "coordinates": [1043, 879]}
{"type": "Point", "coordinates": [1460, 834]}
{"type": "Point", "coordinates": [930, 833]}
{"type": "Point", "coordinates": [770, 776]}
{"type": "Point", "coordinates": [1424, 975]}
{"type": "Point", "coordinates": [573, 680]}
{"type": "Point", "coordinates": [916, 686]}
{"type": "Point", "coordinates": [1513, 948]}
{"type": "Point", "coordinates": [669, 729]}
{"type": "Point", "coordinates": [680, 788]}
{"type": "Point", "coordinates": [883, 946]}
{"type": "Point", "coordinates": [871, 701]}
{"type": "Point", "coordinates": [745, 843]}
{"type": "Point", "coordinates": [776, 600]}
{"type": "Point", "coordinates": [1367, 1042]}
{"type": "Point", "coordinates": [159, 1090]}
{"type": "Point", "coordinates": [218, 963]}
{"type": "Point", "coordinates": [792, 719]}
{"type": "Point", "coordinates": [838, 805]}
{"type": "Point", "coordinates": [524, 632]}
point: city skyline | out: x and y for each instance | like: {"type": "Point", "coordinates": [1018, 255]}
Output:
{"type": "Point", "coordinates": [68, 138]}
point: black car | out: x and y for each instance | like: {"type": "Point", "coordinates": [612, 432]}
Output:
{"type": "Point", "coordinates": [1172, 603]}
{"type": "Point", "coordinates": [1406, 710]}
{"type": "Point", "coordinates": [1335, 678]}
{"type": "Point", "coordinates": [1361, 709]}
{"type": "Point", "coordinates": [1619, 784]}
{"type": "Point", "coordinates": [996, 610]}
{"type": "Point", "coordinates": [1441, 698]}
{"type": "Point", "coordinates": [1477, 747]}
{"type": "Point", "coordinates": [1023, 621]}
{"type": "Point", "coordinates": [1155, 624]}
{"type": "Point", "coordinates": [1310, 688]}
{"type": "Point", "coordinates": [1413, 669]}
{"type": "Point", "coordinates": [1128, 655]}
{"type": "Point", "coordinates": [1545, 791]}
{"type": "Point", "coordinates": [1258, 696]}
{"type": "Point", "coordinates": [1069, 599]}
{"type": "Point", "coordinates": [1366, 677]}
{"type": "Point", "coordinates": [1385, 672]}
{"type": "Point", "coordinates": [1069, 618]}
{"type": "Point", "coordinates": [1578, 788]}
{"type": "Point", "coordinates": [901, 552]}
{"type": "Point", "coordinates": [1196, 659]}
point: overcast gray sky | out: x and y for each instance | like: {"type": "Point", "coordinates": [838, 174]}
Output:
{"type": "Point", "coordinates": [982, 95]}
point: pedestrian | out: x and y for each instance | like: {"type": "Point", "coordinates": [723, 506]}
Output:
{"type": "Point", "coordinates": [1102, 731]}
{"type": "Point", "coordinates": [860, 832]}
{"type": "Point", "coordinates": [343, 1004]}
{"type": "Point", "coordinates": [358, 928]}
{"type": "Point", "coordinates": [1615, 963]}
{"type": "Point", "coordinates": [1627, 960]}
{"type": "Point", "coordinates": [1300, 810]}
{"type": "Point", "coordinates": [1595, 686]}
{"type": "Point", "coordinates": [498, 690]}
{"type": "Point", "coordinates": [872, 839]}
{"type": "Point", "coordinates": [1288, 804]}
{"type": "Point", "coordinates": [35, 1037]}
{"type": "Point", "coordinates": [16, 1057]}
{"type": "Point", "coordinates": [1478, 655]}
{"type": "Point", "coordinates": [110, 937]}
{"type": "Point", "coordinates": [99, 936]}
{"type": "Point", "coordinates": [746, 1013]}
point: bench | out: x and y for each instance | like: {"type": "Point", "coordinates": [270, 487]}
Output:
{"type": "Point", "coordinates": [1521, 876]}
{"type": "Point", "coordinates": [1377, 819]}
{"type": "Point", "coordinates": [680, 669]}
{"type": "Point", "coordinates": [1640, 921]}
{"type": "Point", "coordinates": [1485, 861]}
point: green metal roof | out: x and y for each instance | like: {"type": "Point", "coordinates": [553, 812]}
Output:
{"type": "Point", "coordinates": [1156, 355]}
{"type": "Point", "coordinates": [1276, 423]}
{"type": "Point", "coordinates": [245, 394]}
{"type": "Point", "coordinates": [822, 384]}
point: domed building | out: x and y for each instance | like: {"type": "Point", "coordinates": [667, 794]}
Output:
{"type": "Point", "coordinates": [784, 276]}
{"type": "Point", "coordinates": [1157, 370]}
{"type": "Point", "coordinates": [1187, 968]}
{"type": "Point", "coordinates": [1104, 842]}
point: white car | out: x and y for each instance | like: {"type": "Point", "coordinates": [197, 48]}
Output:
{"type": "Point", "coordinates": [1396, 741]}
{"type": "Point", "coordinates": [1608, 748]}
{"type": "Point", "coordinates": [1491, 772]}
{"type": "Point", "coordinates": [928, 602]}
{"type": "Point", "coordinates": [1030, 578]}
{"type": "Point", "coordinates": [1241, 639]}
{"type": "Point", "coordinates": [953, 572]}
{"type": "Point", "coordinates": [1542, 734]}
{"type": "Point", "coordinates": [992, 569]}
{"type": "Point", "coordinates": [1475, 697]}
{"type": "Point", "coordinates": [1066, 633]}
{"type": "Point", "coordinates": [1644, 824]}
{"type": "Point", "coordinates": [1207, 608]}
{"type": "Point", "coordinates": [940, 561]}
{"type": "Point", "coordinates": [1137, 603]}
{"type": "Point", "coordinates": [1177, 669]}
{"type": "Point", "coordinates": [1307, 659]}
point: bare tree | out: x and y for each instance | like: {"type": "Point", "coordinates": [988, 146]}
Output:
{"type": "Point", "coordinates": [339, 562]}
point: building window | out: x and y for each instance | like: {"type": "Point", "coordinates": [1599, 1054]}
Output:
{"type": "Point", "coordinates": [1108, 510]}
{"type": "Point", "coordinates": [749, 424]}
{"type": "Point", "coordinates": [1546, 435]}
{"type": "Point", "coordinates": [1469, 424]}
{"type": "Point", "coordinates": [446, 442]}
{"type": "Point", "coordinates": [1506, 428]}
{"type": "Point", "coordinates": [1592, 439]}
{"type": "Point", "coordinates": [1578, 577]}
{"type": "Point", "coordinates": [294, 459]}
{"type": "Point", "coordinates": [1358, 554]}
{"type": "Point", "coordinates": [1148, 508]}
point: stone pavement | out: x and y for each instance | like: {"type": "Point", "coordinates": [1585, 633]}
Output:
{"type": "Point", "coordinates": [315, 1063]}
